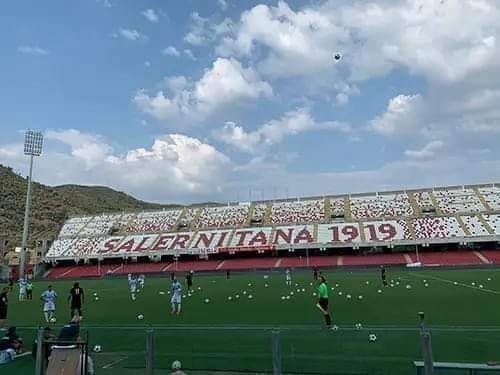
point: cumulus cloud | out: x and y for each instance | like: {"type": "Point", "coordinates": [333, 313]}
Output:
{"type": "Point", "coordinates": [151, 15]}
{"type": "Point", "coordinates": [273, 132]}
{"type": "Point", "coordinates": [197, 34]}
{"type": "Point", "coordinates": [171, 51]}
{"type": "Point", "coordinates": [429, 151]}
{"type": "Point", "coordinates": [32, 50]}
{"type": "Point", "coordinates": [227, 81]}
{"type": "Point", "coordinates": [402, 115]}
{"type": "Point", "coordinates": [130, 34]}
{"type": "Point", "coordinates": [175, 166]}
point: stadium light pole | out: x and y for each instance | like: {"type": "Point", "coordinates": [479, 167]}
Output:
{"type": "Point", "coordinates": [33, 142]}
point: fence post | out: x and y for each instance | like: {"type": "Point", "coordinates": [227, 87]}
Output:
{"type": "Point", "coordinates": [39, 351]}
{"type": "Point", "coordinates": [425, 337]}
{"type": "Point", "coordinates": [150, 351]}
{"type": "Point", "coordinates": [275, 341]}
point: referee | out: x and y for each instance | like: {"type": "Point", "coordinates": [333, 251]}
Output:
{"type": "Point", "coordinates": [323, 301]}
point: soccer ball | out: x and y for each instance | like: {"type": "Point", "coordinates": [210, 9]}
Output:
{"type": "Point", "coordinates": [176, 365]}
{"type": "Point", "coordinates": [298, 290]}
{"type": "Point", "coordinates": [53, 320]}
{"type": "Point", "coordinates": [360, 297]}
{"type": "Point", "coordinates": [314, 294]}
{"type": "Point", "coordinates": [425, 281]}
{"type": "Point", "coordinates": [372, 337]}
{"type": "Point", "coordinates": [340, 293]}
{"type": "Point", "coordinates": [207, 300]}
{"type": "Point", "coordinates": [303, 289]}
{"type": "Point", "coordinates": [455, 283]}
{"type": "Point", "coordinates": [310, 284]}
{"type": "Point", "coordinates": [291, 293]}
{"type": "Point", "coordinates": [367, 283]}
{"type": "Point", "coordinates": [249, 284]}
{"type": "Point", "coordinates": [426, 285]}
{"type": "Point", "coordinates": [359, 326]}
{"type": "Point", "coordinates": [408, 286]}
{"type": "Point", "coordinates": [250, 296]}
{"type": "Point", "coordinates": [140, 317]}
{"type": "Point", "coordinates": [473, 284]}
{"type": "Point", "coordinates": [183, 296]}
{"type": "Point", "coordinates": [229, 298]}
{"type": "Point", "coordinates": [282, 298]}
{"type": "Point", "coordinates": [199, 288]}
{"type": "Point", "coordinates": [97, 348]}
{"type": "Point", "coordinates": [237, 296]}
{"type": "Point", "coordinates": [266, 277]}
{"type": "Point", "coordinates": [97, 298]}
{"type": "Point", "coordinates": [95, 294]}
{"type": "Point", "coordinates": [481, 286]}
{"type": "Point", "coordinates": [244, 292]}
{"type": "Point", "coordinates": [162, 293]}
{"type": "Point", "coordinates": [348, 296]}
{"type": "Point", "coordinates": [489, 278]}
{"type": "Point", "coordinates": [335, 328]}
{"type": "Point", "coordinates": [287, 297]}
{"type": "Point", "coordinates": [379, 291]}
{"type": "Point", "coordinates": [265, 285]}
{"type": "Point", "coordinates": [336, 285]}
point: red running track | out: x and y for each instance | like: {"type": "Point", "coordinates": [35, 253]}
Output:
{"type": "Point", "coordinates": [456, 258]}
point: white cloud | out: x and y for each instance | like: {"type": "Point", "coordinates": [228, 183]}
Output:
{"type": "Point", "coordinates": [189, 54]}
{"type": "Point", "coordinates": [171, 51]}
{"type": "Point", "coordinates": [429, 151]}
{"type": "Point", "coordinates": [402, 116]}
{"type": "Point", "coordinates": [273, 132]}
{"type": "Point", "coordinates": [105, 3]}
{"type": "Point", "coordinates": [227, 81]}
{"type": "Point", "coordinates": [32, 50]}
{"type": "Point", "coordinates": [174, 167]}
{"type": "Point", "coordinates": [222, 4]}
{"type": "Point", "coordinates": [151, 15]}
{"type": "Point", "coordinates": [197, 34]}
{"type": "Point", "coordinates": [130, 34]}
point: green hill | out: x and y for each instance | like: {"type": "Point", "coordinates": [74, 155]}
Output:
{"type": "Point", "coordinates": [51, 206]}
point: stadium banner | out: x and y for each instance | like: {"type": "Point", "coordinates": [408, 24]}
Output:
{"type": "Point", "coordinates": [237, 249]}
{"type": "Point", "coordinates": [339, 232]}
{"type": "Point", "coordinates": [386, 231]}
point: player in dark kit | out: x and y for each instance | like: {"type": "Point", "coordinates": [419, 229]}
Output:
{"type": "Point", "coordinates": [315, 273]}
{"type": "Point", "coordinates": [76, 299]}
{"type": "Point", "coordinates": [189, 281]}
{"type": "Point", "coordinates": [4, 301]}
{"type": "Point", "coordinates": [383, 275]}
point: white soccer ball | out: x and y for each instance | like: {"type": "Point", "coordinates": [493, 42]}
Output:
{"type": "Point", "coordinates": [183, 296]}
{"type": "Point", "coordinates": [397, 282]}
{"type": "Point", "coordinates": [53, 320]}
{"type": "Point", "coordinates": [291, 293]}
{"type": "Point", "coordinates": [162, 293]}
{"type": "Point", "coordinates": [199, 288]}
{"type": "Point", "coordinates": [266, 277]}
{"type": "Point", "coordinates": [140, 317]}
{"type": "Point", "coordinates": [207, 300]}
{"type": "Point", "coordinates": [379, 291]}
{"type": "Point", "coordinates": [367, 283]}
{"type": "Point", "coordinates": [244, 292]}
{"type": "Point", "coordinates": [455, 283]}
{"type": "Point", "coordinates": [250, 296]}
{"type": "Point", "coordinates": [298, 290]}
{"type": "Point", "coordinates": [348, 296]}
{"type": "Point", "coordinates": [282, 298]}
{"type": "Point", "coordinates": [360, 297]}
{"type": "Point", "coordinates": [335, 328]}
{"type": "Point", "coordinates": [287, 297]}
{"type": "Point", "coordinates": [97, 349]}
{"type": "Point", "coordinates": [96, 298]}
{"type": "Point", "coordinates": [95, 294]}
{"type": "Point", "coordinates": [340, 293]}
{"type": "Point", "coordinates": [310, 284]}
{"type": "Point", "coordinates": [303, 289]}
{"type": "Point", "coordinates": [336, 285]}
{"type": "Point", "coordinates": [229, 298]}
{"type": "Point", "coordinates": [372, 337]}
{"type": "Point", "coordinates": [473, 284]}
{"type": "Point", "coordinates": [489, 278]}
{"type": "Point", "coordinates": [426, 285]}
{"type": "Point", "coordinates": [314, 294]}
{"type": "Point", "coordinates": [249, 284]}
{"type": "Point", "coordinates": [481, 286]}
{"type": "Point", "coordinates": [266, 285]}
{"type": "Point", "coordinates": [425, 281]}
{"type": "Point", "coordinates": [408, 286]}
{"type": "Point", "coordinates": [237, 296]}
{"type": "Point", "coordinates": [359, 326]}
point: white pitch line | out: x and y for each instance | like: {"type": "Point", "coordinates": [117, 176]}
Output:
{"type": "Point", "coordinates": [111, 364]}
{"type": "Point", "coordinates": [219, 266]}
{"type": "Point", "coordinates": [453, 282]}
{"type": "Point", "coordinates": [278, 263]}
{"type": "Point", "coordinates": [482, 257]}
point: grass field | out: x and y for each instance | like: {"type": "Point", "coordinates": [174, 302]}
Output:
{"type": "Point", "coordinates": [236, 335]}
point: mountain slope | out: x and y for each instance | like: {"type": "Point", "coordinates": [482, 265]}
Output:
{"type": "Point", "coordinates": [51, 206]}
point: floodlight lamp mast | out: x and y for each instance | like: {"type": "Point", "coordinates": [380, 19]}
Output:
{"type": "Point", "coordinates": [33, 143]}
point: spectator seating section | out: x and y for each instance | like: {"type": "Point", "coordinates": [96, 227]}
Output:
{"type": "Point", "coordinates": [381, 205]}
{"type": "Point", "coordinates": [475, 226]}
{"type": "Point", "coordinates": [491, 196]}
{"type": "Point", "coordinates": [494, 222]}
{"type": "Point", "coordinates": [424, 201]}
{"type": "Point", "coordinates": [73, 226]}
{"type": "Point", "coordinates": [153, 222]}
{"type": "Point", "coordinates": [99, 225]}
{"type": "Point", "coordinates": [297, 212]}
{"type": "Point", "coordinates": [337, 207]}
{"type": "Point", "coordinates": [259, 212]}
{"type": "Point", "coordinates": [225, 216]}
{"type": "Point", "coordinates": [452, 201]}
{"type": "Point", "coordinates": [437, 227]}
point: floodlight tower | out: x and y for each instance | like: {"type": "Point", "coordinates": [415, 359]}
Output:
{"type": "Point", "coordinates": [33, 142]}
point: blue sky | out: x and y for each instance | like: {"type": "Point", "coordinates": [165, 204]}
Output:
{"type": "Point", "coordinates": [224, 100]}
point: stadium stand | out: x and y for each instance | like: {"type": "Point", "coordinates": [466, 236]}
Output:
{"type": "Point", "coordinates": [427, 217]}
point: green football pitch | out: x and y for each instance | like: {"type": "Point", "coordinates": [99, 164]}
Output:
{"type": "Point", "coordinates": [215, 333]}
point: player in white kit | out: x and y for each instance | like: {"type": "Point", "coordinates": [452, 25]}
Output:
{"type": "Point", "coordinates": [141, 279]}
{"type": "Point", "coordinates": [176, 292]}
{"type": "Point", "coordinates": [288, 277]}
{"type": "Point", "coordinates": [132, 284]}
{"type": "Point", "coordinates": [22, 289]}
{"type": "Point", "coordinates": [49, 298]}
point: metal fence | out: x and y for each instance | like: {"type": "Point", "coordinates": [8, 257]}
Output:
{"type": "Point", "coordinates": [288, 350]}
